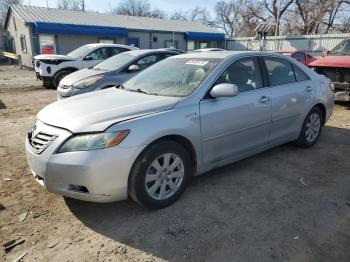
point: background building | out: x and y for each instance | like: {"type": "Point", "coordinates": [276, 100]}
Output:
{"type": "Point", "coordinates": [36, 30]}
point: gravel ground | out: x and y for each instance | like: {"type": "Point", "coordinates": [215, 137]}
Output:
{"type": "Point", "coordinates": [286, 204]}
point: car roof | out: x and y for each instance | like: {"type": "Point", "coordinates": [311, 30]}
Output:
{"type": "Point", "coordinates": [220, 55]}
{"type": "Point", "coordinates": [208, 49]}
{"type": "Point", "coordinates": [111, 45]}
{"type": "Point", "coordinates": [150, 51]}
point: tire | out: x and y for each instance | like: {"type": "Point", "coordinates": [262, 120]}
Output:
{"type": "Point", "coordinates": [47, 84]}
{"type": "Point", "coordinates": [58, 77]}
{"type": "Point", "coordinates": [165, 185]}
{"type": "Point", "coordinates": [311, 129]}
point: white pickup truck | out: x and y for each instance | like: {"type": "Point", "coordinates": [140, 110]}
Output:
{"type": "Point", "coordinates": [52, 68]}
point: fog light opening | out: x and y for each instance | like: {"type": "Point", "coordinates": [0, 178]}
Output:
{"type": "Point", "coordinates": [79, 189]}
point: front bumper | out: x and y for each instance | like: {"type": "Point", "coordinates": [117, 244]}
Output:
{"type": "Point", "coordinates": [96, 176]}
{"type": "Point", "coordinates": [342, 91]}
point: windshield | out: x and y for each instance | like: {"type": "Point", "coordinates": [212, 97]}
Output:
{"type": "Point", "coordinates": [81, 51]}
{"type": "Point", "coordinates": [115, 62]}
{"type": "Point", "coordinates": [342, 49]}
{"type": "Point", "coordinates": [172, 77]}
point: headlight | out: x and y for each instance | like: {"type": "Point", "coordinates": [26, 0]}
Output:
{"type": "Point", "coordinates": [94, 141]}
{"type": "Point", "coordinates": [87, 82]}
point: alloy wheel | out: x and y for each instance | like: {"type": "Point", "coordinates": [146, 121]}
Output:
{"type": "Point", "coordinates": [164, 176]}
{"type": "Point", "coordinates": [312, 127]}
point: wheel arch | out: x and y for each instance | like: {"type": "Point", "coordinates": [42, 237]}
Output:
{"type": "Point", "coordinates": [323, 109]}
{"type": "Point", "coordinates": [70, 68]}
{"type": "Point", "coordinates": [181, 140]}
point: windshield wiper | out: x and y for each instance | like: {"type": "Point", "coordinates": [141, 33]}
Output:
{"type": "Point", "coordinates": [120, 87]}
{"type": "Point", "coordinates": [139, 90]}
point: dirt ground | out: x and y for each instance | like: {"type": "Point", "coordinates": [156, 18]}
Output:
{"type": "Point", "coordinates": [286, 204]}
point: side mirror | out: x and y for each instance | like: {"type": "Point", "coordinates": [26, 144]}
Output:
{"type": "Point", "coordinates": [224, 90]}
{"type": "Point", "coordinates": [133, 68]}
{"type": "Point", "coordinates": [88, 58]}
{"type": "Point", "coordinates": [325, 52]}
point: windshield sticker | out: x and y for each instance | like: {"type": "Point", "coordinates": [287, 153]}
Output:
{"type": "Point", "coordinates": [197, 62]}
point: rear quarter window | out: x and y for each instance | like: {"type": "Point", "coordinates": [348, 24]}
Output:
{"type": "Point", "coordinates": [300, 75]}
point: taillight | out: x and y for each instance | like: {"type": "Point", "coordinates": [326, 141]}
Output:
{"type": "Point", "coordinates": [332, 87]}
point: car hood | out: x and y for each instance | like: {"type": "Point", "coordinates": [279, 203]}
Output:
{"type": "Point", "coordinates": [79, 75]}
{"type": "Point", "coordinates": [332, 61]}
{"type": "Point", "coordinates": [54, 57]}
{"type": "Point", "coordinates": [98, 110]}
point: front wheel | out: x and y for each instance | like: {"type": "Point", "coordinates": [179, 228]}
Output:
{"type": "Point", "coordinates": [59, 76]}
{"type": "Point", "coordinates": [311, 129]}
{"type": "Point", "coordinates": [159, 176]}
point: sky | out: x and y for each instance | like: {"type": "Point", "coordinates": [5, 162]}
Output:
{"type": "Point", "coordinates": [106, 5]}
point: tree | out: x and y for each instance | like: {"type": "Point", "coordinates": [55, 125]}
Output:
{"type": "Point", "coordinates": [137, 8]}
{"type": "Point", "coordinates": [200, 14]}
{"type": "Point", "coordinates": [274, 9]}
{"type": "Point", "coordinates": [311, 13]}
{"type": "Point", "coordinates": [334, 9]}
{"type": "Point", "coordinates": [74, 5]}
{"type": "Point", "coordinates": [4, 7]}
{"type": "Point", "coordinates": [235, 18]}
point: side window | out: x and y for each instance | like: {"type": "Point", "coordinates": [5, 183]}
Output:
{"type": "Point", "coordinates": [299, 56]}
{"type": "Point", "coordinates": [145, 62]}
{"type": "Point", "coordinates": [244, 73]}
{"type": "Point", "coordinates": [117, 50]}
{"type": "Point", "coordinates": [300, 75]}
{"type": "Point", "coordinates": [98, 54]}
{"type": "Point", "coordinates": [280, 71]}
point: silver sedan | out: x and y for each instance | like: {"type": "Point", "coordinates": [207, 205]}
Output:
{"type": "Point", "coordinates": [181, 117]}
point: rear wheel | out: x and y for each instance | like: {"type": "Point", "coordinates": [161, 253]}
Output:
{"type": "Point", "coordinates": [159, 176]}
{"type": "Point", "coordinates": [311, 129]}
{"type": "Point", "coordinates": [58, 77]}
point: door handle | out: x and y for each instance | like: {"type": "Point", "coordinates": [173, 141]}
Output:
{"type": "Point", "coordinates": [308, 89]}
{"type": "Point", "coordinates": [264, 99]}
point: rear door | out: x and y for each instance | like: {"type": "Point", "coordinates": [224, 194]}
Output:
{"type": "Point", "coordinates": [233, 126]}
{"type": "Point", "coordinates": [292, 93]}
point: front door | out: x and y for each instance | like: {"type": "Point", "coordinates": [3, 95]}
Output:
{"type": "Point", "coordinates": [233, 126]}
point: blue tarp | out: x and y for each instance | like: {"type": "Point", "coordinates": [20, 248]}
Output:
{"type": "Point", "coordinates": [73, 29]}
{"type": "Point", "coordinates": [204, 36]}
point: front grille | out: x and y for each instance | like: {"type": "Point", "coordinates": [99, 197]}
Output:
{"type": "Point", "coordinates": [40, 141]}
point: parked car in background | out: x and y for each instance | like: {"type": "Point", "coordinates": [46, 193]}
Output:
{"type": "Point", "coordinates": [207, 50]}
{"type": "Point", "coordinates": [301, 56]}
{"type": "Point", "coordinates": [173, 49]}
{"type": "Point", "coordinates": [113, 71]}
{"type": "Point", "coordinates": [183, 116]}
{"type": "Point", "coordinates": [52, 68]}
{"type": "Point", "coordinates": [336, 66]}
